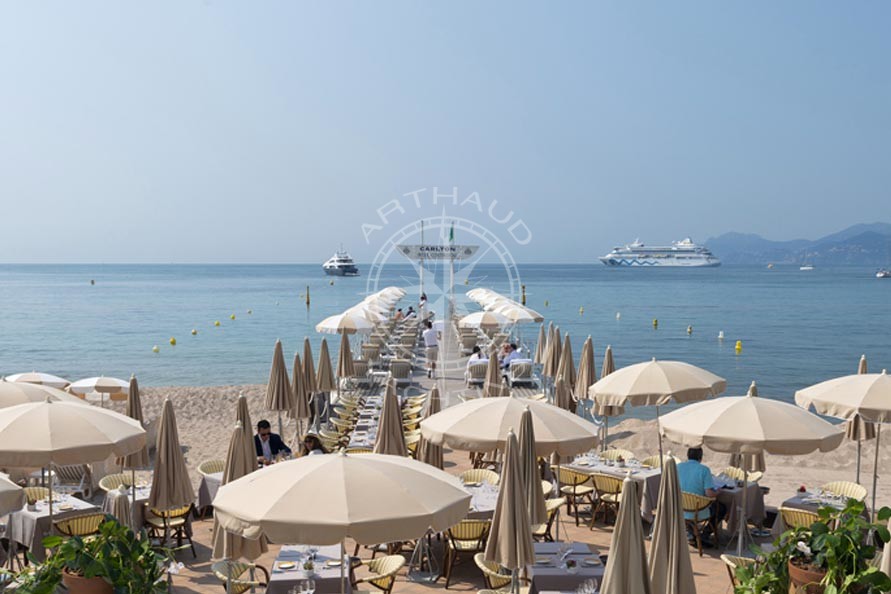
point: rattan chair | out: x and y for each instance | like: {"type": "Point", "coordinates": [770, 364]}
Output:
{"type": "Point", "coordinates": [342, 426]}
{"type": "Point", "coordinates": [110, 482]}
{"type": "Point", "coordinates": [732, 562]}
{"type": "Point", "coordinates": [231, 572]}
{"type": "Point", "coordinates": [467, 536]}
{"type": "Point", "coordinates": [359, 451]}
{"type": "Point", "coordinates": [170, 523]}
{"type": "Point", "coordinates": [542, 532]}
{"type": "Point", "coordinates": [608, 491]}
{"type": "Point", "coordinates": [540, 396]}
{"type": "Point", "coordinates": [211, 467]}
{"type": "Point", "coordinates": [574, 490]}
{"type": "Point", "coordinates": [615, 454]}
{"type": "Point", "coordinates": [653, 461]}
{"type": "Point", "coordinates": [480, 475]}
{"type": "Point", "coordinates": [383, 572]}
{"type": "Point", "coordinates": [697, 504]}
{"type": "Point", "coordinates": [547, 487]}
{"type": "Point", "coordinates": [80, 525]}
{"type": "Point", "coordinates": [847, 489]}
{"type": "Point", "coordinates": [493, 574]}
{"type": "Point", "coordinates": [798, 518]}
{"type": "Point", "coordinates": [34, 493]}
{"type": "Point", "coordinates": [738, 474]}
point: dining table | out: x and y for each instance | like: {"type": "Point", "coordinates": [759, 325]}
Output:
{"type": "Point", "coordinates": [550, 570]}
{"type": "Point", "coordinates": [207, 488]}
{"type": "Point", "coordinates": [28, 527]}
{"type": "Point", "coordinates": [120, 502]}
{"type": "Point", "coordinates": [648, 479]}
{"type": "Point", "coordinates": [806, 501]}
{"type": "Point", "coordinates": [287, 570]}
{"type": "Point", "coordinates": [483, 499]}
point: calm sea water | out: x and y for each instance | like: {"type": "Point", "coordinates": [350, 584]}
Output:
{"type": "Point", "coordinates": [796, 328]}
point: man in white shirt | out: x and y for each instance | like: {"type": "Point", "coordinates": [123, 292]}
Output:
{"type": "Point", "coordinates": [431, 342]}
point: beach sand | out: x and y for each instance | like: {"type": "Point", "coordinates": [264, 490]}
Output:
{"type": "Point", "coordinates": [206, 416]}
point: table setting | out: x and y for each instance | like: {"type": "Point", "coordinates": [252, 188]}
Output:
{"type": "Point", "coordinates": [565, 566]}
{"type": "Point", "coordinates": [292, 573]}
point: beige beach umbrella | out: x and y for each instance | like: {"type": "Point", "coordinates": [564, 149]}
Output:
{"type": "Point", "coordinates": [171, 487]}
{"type": "Point", "coordinates": [13, 393]}
{"type": "Point", "coordinates": [750, 425]}
{"type": "Point", "coordinates": [243, 416]}
{"type": "Point", "coordinates": [626, 566]}
{"type": "Point", "coordinates": [540, 346]}
{"type": "Point", "coordinates": [859, 430]}
{"type": "Point", "coordinates": [140, 458]}
{"type": "Point", "coordinates": [494, 385]}
{"type": "Point", "coordinates": [367, 311]}
{"type": "Point", "coordinates": [301, 411]}
{"type": "Point", "coordinates": [656, 383]}
{"type": "Point", "coordinates": [325, 373]}
{"type": "Point", "coordinates": [510, 538]}
{"type": "Point", "coordinates": [390, 433]}
{"type": "Point", "coordinates": [670, 569]}
{"type": "Point", "coordinates": [562, 395]}
{"type": "Point", "coordinates": [609, 366]}
{"type": "Point", "coordinates": [238, 464]}
{"type": "Point", "coordinates": [529, 473]}
{"type": "Point", "coordinates": [751, 462]}
{"type": "Point", "coordinates": [12, 496]}
{"type": "Point", "coordinates": [345, 323]}
{"type": "Point", "coordinates": [867, 395]}
{"type": "Point", "coordinates": [309, 379]}
{"type": "Point", "coordinates": [345, 359]}
{"type": "Point", "coordinates": [516, 313]}
{"type": "Point", "coordinates": [115, 388]}
{"type": "Point", "coordinates": [587, 371]}
{"type": "Point", "coordinates": [566, 368]}
{"type": "Point", "coordinates": [427, 452]}
{"type": "Point", "coordinates": [486, 320]}
{"type": "Point", "coordinates": [279, 396]}
{"type": "Point", "coordinates": [36, 377]}
{"type": "Point", "coordinates": [482, 424]}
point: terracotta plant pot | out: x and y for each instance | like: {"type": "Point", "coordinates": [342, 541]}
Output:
{"type": "Point", "coordinates": [805, 581]}
{"type": "Point", "coordinates": [81, 585]}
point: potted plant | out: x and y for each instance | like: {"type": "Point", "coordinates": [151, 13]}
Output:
{"type": "Point", "coordinates": [114, 561]}
{"type": "Point", "coordinates": [308, 567]}
{"type": "Point", "coordinates": [833, 556]}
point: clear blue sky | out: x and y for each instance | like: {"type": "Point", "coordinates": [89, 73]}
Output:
{"type": "Point", "coordinates": [270, 131]}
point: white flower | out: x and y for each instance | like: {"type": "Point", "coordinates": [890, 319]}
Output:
{"type": "Point", "coordinates": [174, 567]}
{"type": "Point", "coordinates": [801, 546]}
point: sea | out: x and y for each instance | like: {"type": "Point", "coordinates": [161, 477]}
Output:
{"type": "Point", "coordinates": [794, 328]}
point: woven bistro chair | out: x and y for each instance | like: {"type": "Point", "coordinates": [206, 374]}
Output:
{"type": "Point", "coordinates": [480, 475]}
{"type": "Point", "coordinates": [231, 572]}
{"type": "Point", "coordinates": [798, 518]}
{"type": "Point", "coordinates": [615, 454]}
{"type": "Point", "coordinates": [542, 532]}
{"type": "Point", "coordinates": [80, 525]}
{"type": "Point", "coordinates": [170, 523]}
{"type": "Point", "coordinates": [738, 474]}
{"type": "Point", "coordinates": [653, 461]}
{"type": "Point", "coordinates": [847, 489]}
{"type": "Point", "coordinates": [110, 482]}
{"type": "Point", "coordinates": [732, 562]}
{"type": "Point", "coordinates": [383, 572]}
{"type": "Point", "coordinates": [574, 489]}
{"type": "Point", "coordinates": [467, 536]}
{"type": "Point", "coordinates": [211, 467]}
{"type": "Point", "coordinates": [497, 578]}
{"type": "Point", "coordinates": [36, 492]}
{"type": "Point", "coordinates": [547, 488]}
{"type": "Point", "coordinates": [359, 451]}
{"type": "Point", "coordinates": [697, 504]}
{"type": "Point", "coordinates": [608, 491]}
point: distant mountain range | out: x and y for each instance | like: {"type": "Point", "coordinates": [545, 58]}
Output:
{"type": "Point", "coordinates": [866, 244]}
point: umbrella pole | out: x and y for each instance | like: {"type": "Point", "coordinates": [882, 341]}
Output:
{"type": "Point", "coordinates": [514, 581]}
{"type": "Point", "coordinates": [51, 497]}
{"type": "Point", "coordinates": [605, 433]}
{"type": "Point", "coordinates": [742, 515]}
{"type": "Point", "coordinates": [133, 490]}
{"type": "Point", "coordinates": [659, 433]}
{"type": "Point", "coordinates": [875, 471]}
{"type": "Point", "coordinates": [859, 445]}
{"type": "Point", "coordinates": [280, 431]}
{"type": "Point", "coordinates": [343, 561]}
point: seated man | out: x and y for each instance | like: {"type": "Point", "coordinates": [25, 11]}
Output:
{"type": "Point", "coordinates": [268, 444]}
{"type": "Point", "coordinates": [510, 353]}
{"type": "Point", "coordinates": [695, 477]}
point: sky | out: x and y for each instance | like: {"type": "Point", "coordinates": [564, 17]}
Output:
{"type": "Point", "coordinates": [273, 131]}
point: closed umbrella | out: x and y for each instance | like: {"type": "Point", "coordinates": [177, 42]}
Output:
{"type": "Point", "coordinates": [529, 473]}
{"type": "Point", "coordinates": [345, 323]}
{"type": "Point", "coordinates": [171, 487]}
{"type": "Point", "coordinates": [114, 387]}
{"type": "Point", "coordinates": [857, 429]}
{"type": "Point", "coordinates": [301, 411]}
{"type": "Point", "coordinates": [325, 374]}
{"type": "Point", "coordinates": [243, 416]}
{"type": "Point", "coordinates": [750, 425]}
{"type": "Point", "coordinates": [563, 396]}
{"type": "Point", "coordinates": [482, 424]}
{"type": "Point", "coordinates": [605, 411]}
{"type": "Point", "coordinates": [494, 385]}
{"type": "Point", "coordinates": [566, 369]}
{"type": "Point", "coordinates": [540, 346]}
{"type": "Point", "coordinates": [587, 371]}
{"type": "Point", "coordinates": [670, 569]}
{"type": "Point", "coordinates": [626, 566]}
{"type": "Point", "coordinates": [36, 377]}
{"type": "Point", "coordinates": [279, 396]}
{"type": "Point", "coordinates": [510, 538]}
{"type": "Point", "coordinates": [655, 383]}
{"type": "Point", "coordinates": [427, 452]}
{"type": "Point", "coordinates": [139, 459]}
{"type": "Point", "coordinates": [345, 359]}
{"type": "Point", "coordinates": [390, 433]}
{"type": "Point", "coordinates": [12, 394]}
{"type": "Point", "coordinates": [309, 378]}
{"type": "Point", "coordinates": [238, 464]}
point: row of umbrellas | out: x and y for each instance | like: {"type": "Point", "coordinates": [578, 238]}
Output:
{"type": "Point", "coordinates": [363, 317]}
{"type": "Point", "coordinates": [101, 386]}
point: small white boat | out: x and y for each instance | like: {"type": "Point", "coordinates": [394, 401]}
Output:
{"type": "Point", "coordinates": [340, 264]}
{"type": "Point", "coordinates": [806, 267]}
{"type": "Point", "coordinates": [883, 273]}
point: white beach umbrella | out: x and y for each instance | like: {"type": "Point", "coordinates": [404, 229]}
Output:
{"type": "Point", "coordinates": [13, 393]}
{"type": "Point", "coordinates": [750, 425]}
{"type": "Point", "coordinates": [12, 496]}
{"type": "Point", "coordinates": [114, 387]}
{"type": "Point", "coordinates": [348, 322]}
{"type": "Point", "coordinates": [483, 319]}
{"type": "Point", "coordinates": [516, 313]}
{"type": "Point", "coordinates": [369, 313]}
{"type": "Point", "coordinates": [36, 377]}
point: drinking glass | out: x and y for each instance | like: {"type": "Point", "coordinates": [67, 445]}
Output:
{"type": "Point", "coordinates": [310, 586]}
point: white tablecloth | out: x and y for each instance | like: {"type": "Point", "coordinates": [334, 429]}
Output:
{"type": "Point", "coordinates": [554, 576]}
{"type": "Point", "coordinates": [207, 490]}
{"type": "Point", "coordinates": [114, 501]}
{"type": "Point", "coordinates": [648, 479]}
{"type": "Point", "coordinates": [29, 528]}
{"type": "Point", "coordinates": [327, 578]}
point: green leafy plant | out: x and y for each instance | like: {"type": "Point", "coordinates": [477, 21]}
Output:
{"type": "Point", "coordinates": [122, 558]}
{"type": "Point", "coordinates": [840, 544]}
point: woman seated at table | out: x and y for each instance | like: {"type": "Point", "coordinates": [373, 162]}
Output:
{"type": "Point", "coordinates": [312, 446]}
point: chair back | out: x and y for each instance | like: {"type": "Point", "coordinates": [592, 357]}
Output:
{"type": "Point", "coordinates": [359, 451]}
{"type": "Point", "coordinates": [80, 525]}
{"type": "Point", "coordinates": [211, 467]}
{"type": "Point", "coordinates": [738, 474]}
{"type": "Point", "coordinates": [230, 572]}
{"type": "Point", "coordinates": [847, 489]}
{"type": "Point", "coordinates": [385, 570]}
{"type": "Point", "coordinates": [172, 514]}
{"type": "Point", "coordinates": [732, 562]}
{"type": "Point", "coordinates": [110, 482]}
{"type": "Point", "coordinates": [798, 518]}
{"type": "Point", "coordinates": [571, 478]}
{"type": "Point", "coordinates": [477, 370]}
{"type": "Point", "coordinates": [606, 484]}
{"type": "Point", "coordinates": [400, 369]}
{"type": "Point", "coordinates": [480, 475]}
{"type": "Point", "coordinates": [653, 461]}
{"type": "Point", "coordinates": [36, 492]}
{"type": "Point", "coordinates": [694, 503]}
{"type": "Point", "coordinates": [470, 531]}
{"type": "Point", "coordinates": [371, 352]}
{"type": "Point", "coordinates": [492, 572]}
{"type": "Point", "coordinates": [615, 454]}
{"type": "Point", "coordinates": [521, 369]}
{"type": "Point", "coordinates": [73, 473]}
{"type": "Point", "coordinates": [360, 368]}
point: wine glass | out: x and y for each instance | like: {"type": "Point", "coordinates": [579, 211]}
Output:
{"type": "Point", "coordinates": [310, 586]}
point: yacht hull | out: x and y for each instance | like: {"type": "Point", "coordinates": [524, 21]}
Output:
{"type": "Point", "coordinates": [633, 262]}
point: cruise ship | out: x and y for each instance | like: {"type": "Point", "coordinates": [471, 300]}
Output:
{"type": "Point", "coordinates": [679, 253]}
{"type": "Point", "coordinates": [340, 264]}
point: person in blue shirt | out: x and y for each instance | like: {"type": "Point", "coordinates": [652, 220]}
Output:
{"type": "Point", "coordinates": [695, 477]}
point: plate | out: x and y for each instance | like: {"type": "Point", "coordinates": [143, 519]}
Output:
{"type": "Point", "coordinates": [543, 560]}
{"type": "Point", "coordinates": [287, 565]}
{"type": "Point", "coordinates": [332, 563]}
{"type": "Point", "coordinates": [472, 484]}
{"type": "Point", "coordinates": [66, 506]}
{"type": "Point", "coordinates": [591, 561]}
{"type": "Point", "coordinates": [582, 463]}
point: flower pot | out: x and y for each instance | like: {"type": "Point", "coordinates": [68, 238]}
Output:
{"type": "Point", "coordinates": [81, 585]}
{"type": "Point", "coordinates": [805, 580]}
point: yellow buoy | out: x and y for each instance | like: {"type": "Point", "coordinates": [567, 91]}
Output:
{"type": "Point", "coordinates": [689, 329]}
{"type": "Point", "coordinates": [217, 323]}
{"type": "Point", "coordinates": [172, 341]}
{"type": "Point", "coordinates": [232, 317]}
{"type": "Point", "coordinates": [581, 310]}
{"type": "Point", "coordinates": [194, 332]}
{"type": "Point", "coordinates": [738, 347]}
{"type": "Point", "coordinates": [156, 349]}
{"type": "Point", "coordinates": [655, 323]}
